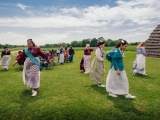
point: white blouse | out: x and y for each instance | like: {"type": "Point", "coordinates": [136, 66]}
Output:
{"type": "Point", "coordinates": [99, 55]}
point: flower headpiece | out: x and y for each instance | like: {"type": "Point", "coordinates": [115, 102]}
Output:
{"type": "Point", "coordinates": [122, 41]}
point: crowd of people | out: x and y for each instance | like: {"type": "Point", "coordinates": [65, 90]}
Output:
{"type": "Point", "coordinates": [34, 61]}
{"type": "Point", "coordinates": [116, 81]}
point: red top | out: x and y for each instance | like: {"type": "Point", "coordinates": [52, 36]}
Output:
{"type": "Point", "coordinates": [51, 56]}
{"type": "Point", "coordinates": [34, 51]}
{"type": "Point", "coordinates": [66, 52]}
{"type": "Point", "coordinates": [17, 58]}
{"type": "Point", "coordinates": [87, 51]}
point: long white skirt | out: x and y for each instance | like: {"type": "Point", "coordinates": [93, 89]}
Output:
{"type": "Point", "coordinates": [61, 58]}
{"type": "Point", "coordinates": [5, 61]}
{"type": "Point", "coordinates": [87, 62]}
{"type": "Point", "coordinates": [117, 84]}
{"type": "Point", "coordinates": [31, 74]}
{"type": "Point", "coordinates": [139, 64]}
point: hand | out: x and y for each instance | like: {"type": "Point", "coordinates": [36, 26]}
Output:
{"type": "Point", "coordinates": [118, 72]}
{"type": "Point", "coordinates": [14, 63]}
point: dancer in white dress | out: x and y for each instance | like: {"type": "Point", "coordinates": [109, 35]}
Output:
{"type": "Point", "coordinates": [117, 81]}
{"type": "Point", "coordinates": [140, 62]}
{"type": "Point", "coordinates": [32, 67]}
{"type": "Point", "coordinates": [5, 56]}
{"type": "Point", "coordinates": [61, 56]}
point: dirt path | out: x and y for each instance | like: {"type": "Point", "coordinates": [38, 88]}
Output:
{"type": "Point", "coordinates": [14, 52]}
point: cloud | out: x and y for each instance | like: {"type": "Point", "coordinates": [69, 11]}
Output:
{"type": "Point", "coordinates": [137, 12]}
{"type": "Point", "coordinates": [23, 7]}
{"type": "Point", "coordinates": [39, 39]}
{"type": "Point", "coordinates": [128, 19]}
{"type": "Point", "coordinates": [12, 38]}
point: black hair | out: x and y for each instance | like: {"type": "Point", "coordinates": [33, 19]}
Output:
{"type": "Point", "coordinates": [50, 52]}
{"type": "Point", "coordinates": [122, 42]}
{"type": "Point", "coordinates": [30, 40]}
{"type": "Point", "coordinates": [65, 48]}
{"type": "Point", "coordinates": [100, 43]}
{"type": "Point", "coordinates": [19, 52]}
{"type": "Point", "coordinates": [5, 47]}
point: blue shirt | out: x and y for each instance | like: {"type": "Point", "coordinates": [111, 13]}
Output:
{"type": "Point", "coordinates": [116, 59]}
{"type": "Point", "coordinates": [61, 51]}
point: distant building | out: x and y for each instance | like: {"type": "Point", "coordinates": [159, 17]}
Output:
{"type": "Point", "coordinates": [153, 43]}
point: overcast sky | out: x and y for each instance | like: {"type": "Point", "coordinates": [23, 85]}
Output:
{"type": "Point", "coordinates": [55, 21]}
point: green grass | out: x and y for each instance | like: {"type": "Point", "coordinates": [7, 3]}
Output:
{"type": "Point", "coordinates": [67, 93]}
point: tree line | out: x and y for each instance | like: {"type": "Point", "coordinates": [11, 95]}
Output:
{"type": "Point", "coordinates": [93, 42]}
{"type": "Point", "coordinates": [10, 46]}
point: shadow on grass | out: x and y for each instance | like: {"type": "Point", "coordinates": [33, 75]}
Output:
{"type": "Point", "coordinates": [144, 77]}
{"type": "Point", "coordinates": [25, 98]}
{"type": "Point", "coordinates": [82, 72]}
{"type": "Point", "coordinates": [18, 70]}
{"type": "Point", "coordinates": [121, 103]}
{"type": "Point", "coordinates": [23, 102]}
{"type": "Point", "coordinates": [99, 89]}
{"type": "Point", "coordinates": [3, 70]}
{"type": "Point", "coordinates": [125, 105]}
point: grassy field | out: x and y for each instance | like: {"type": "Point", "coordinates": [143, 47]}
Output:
{"type": "Point", "coordinates": [67, 93]}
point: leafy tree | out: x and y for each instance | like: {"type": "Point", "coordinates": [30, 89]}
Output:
{"type": "Point", "coordinates": [94, 42]}
{"type": "Point", "coordinates": [74, 43]}
{"type": "Point", "coordinates": [85, 41]}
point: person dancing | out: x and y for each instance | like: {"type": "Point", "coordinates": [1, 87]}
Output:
{"type": "Point", "coordinates": [117, 81]}
{"type": "Point", "coordinates": [85, 62]}
{"type": "Point", "coordinates": [97, 65]}
{"type": "Point", "coordinates": [66, 54]}
{"type": "Point", "coordinates": [61, 56]}
{"type": "Point", "coordinates": [5, 56]}
{"type": "Point", "coordinates": [139, 63]}
{"type": "Point", "coordinates": [32, 68]}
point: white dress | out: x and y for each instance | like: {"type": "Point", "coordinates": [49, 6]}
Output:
{"type": "Point", "coordinates": [117, 84]}
{"type": "Point", "coordinates": [61, 58]}
{"type": "Point", "coordinates": [5, 61]}
{"type": "Point", "coordinates": [31, 74]}
{"type": "Point", "coordinates": [139, 64]}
